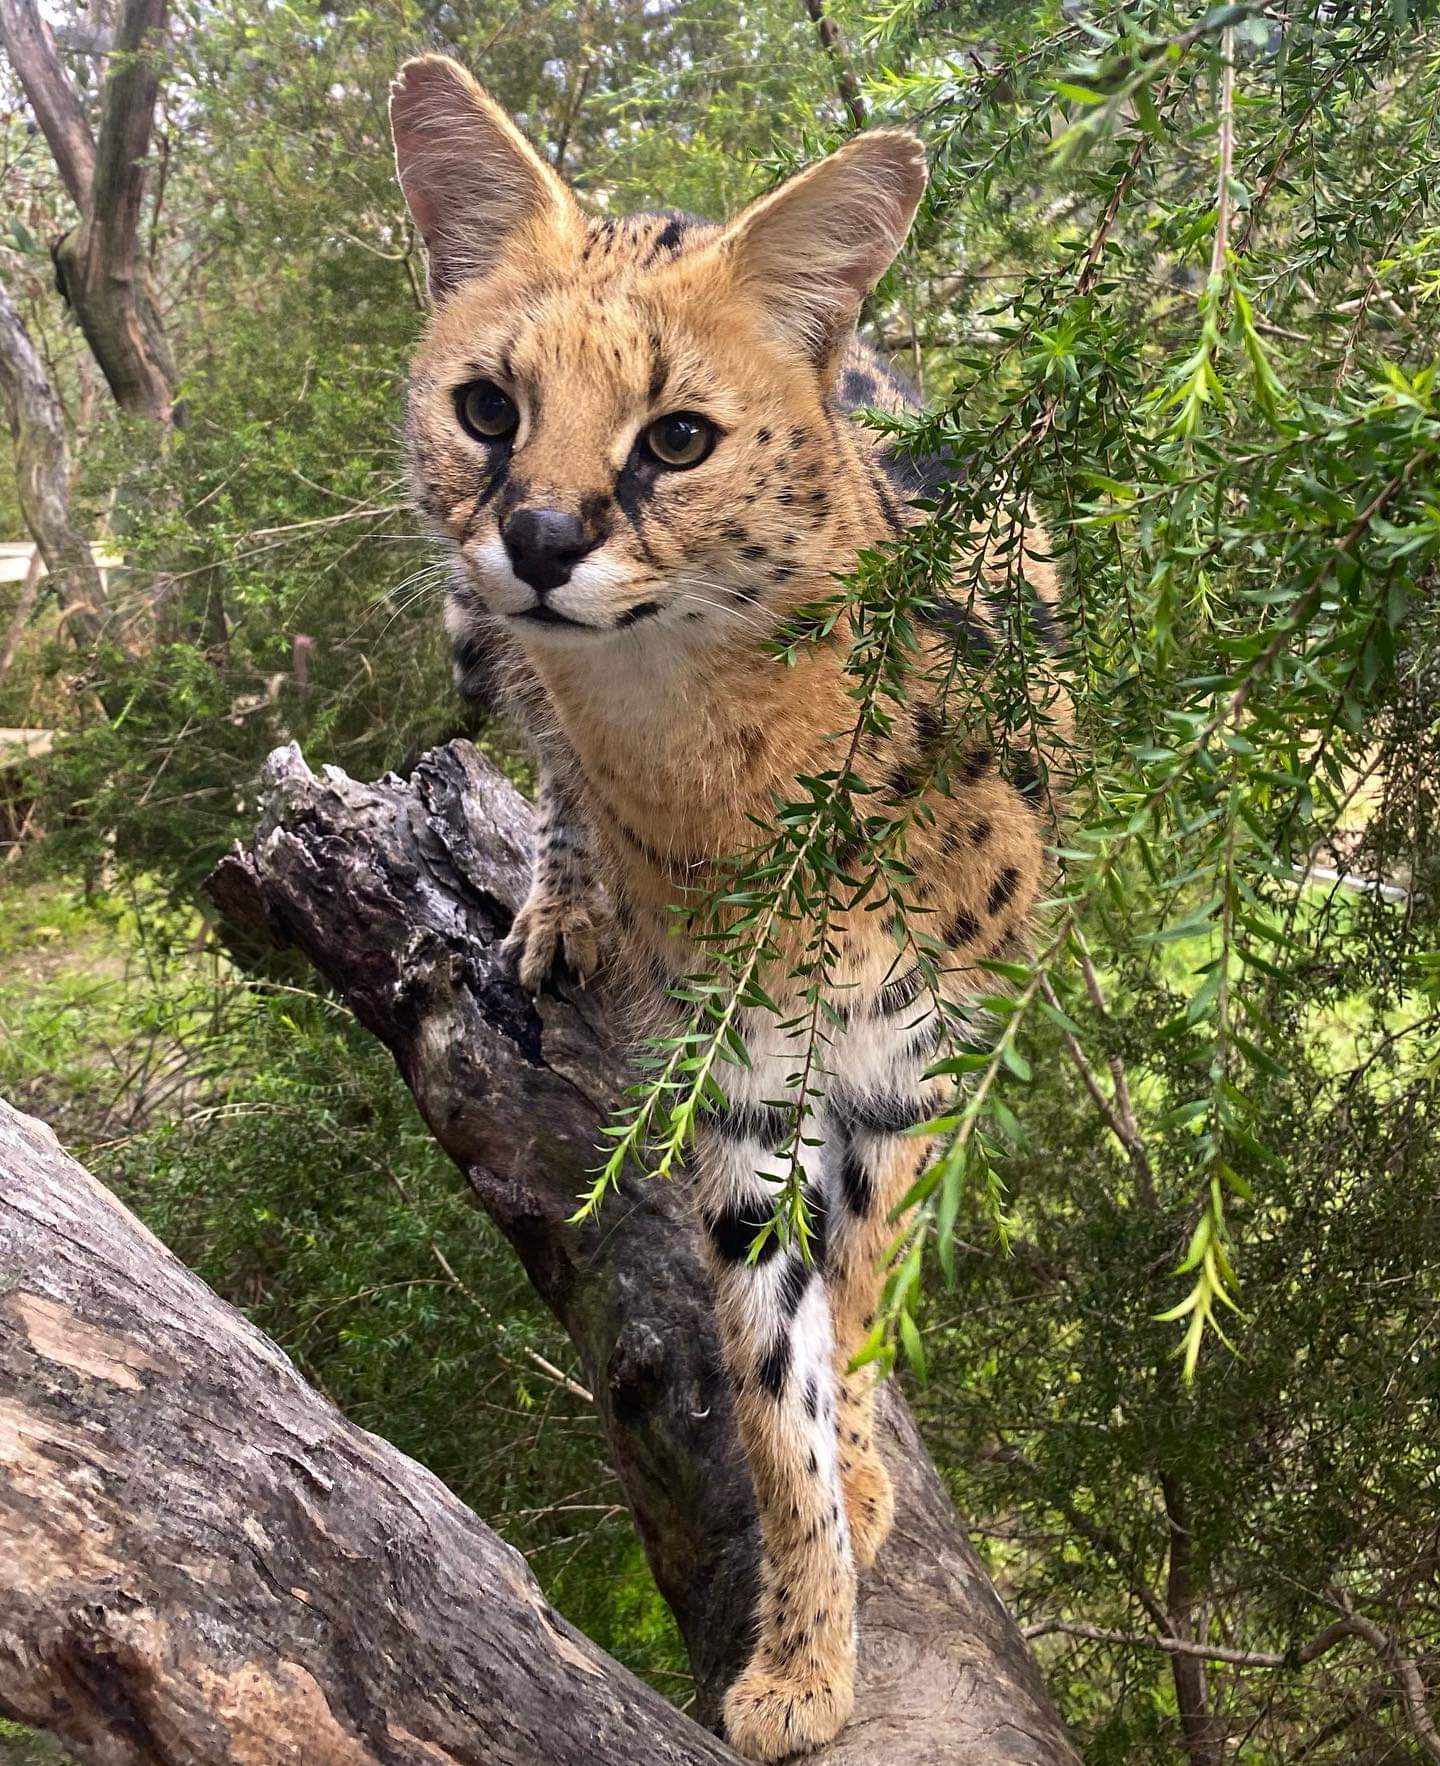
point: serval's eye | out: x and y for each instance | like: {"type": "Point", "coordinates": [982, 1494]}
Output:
{"type": "Point", "coordinates": [484, 411]}
{"type": "Point", "coordinates": [682, 439]}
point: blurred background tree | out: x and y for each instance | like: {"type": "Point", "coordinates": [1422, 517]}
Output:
{"type": "Point", "coordinates": [1175, 283]}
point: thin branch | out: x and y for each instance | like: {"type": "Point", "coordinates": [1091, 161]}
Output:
{"type": "Point", "coordinates": [833, 43]}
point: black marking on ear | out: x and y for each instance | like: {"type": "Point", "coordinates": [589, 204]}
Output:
{"type": "Point", "coordinates": [963, 624]}
{"type": "Point", "coordinates": [857, 389]}
{"type": "Point", "coordinates": [775, 1367]}
{"type": "Point", "coordinates": [734, 1230]}
{"type": "Point", "coordinates": [964, 929]}
{"type": "Point", "coordinates": [633, 615]}
{"type": "Point", "coordinates": [1002, 890]}
{"type": "Point", "coordinates": [918, 475]}
{"type": "Point", "coordinates": [856, 1184]}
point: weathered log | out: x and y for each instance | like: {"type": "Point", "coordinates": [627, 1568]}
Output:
{"type": "Point", "coordinates": [399, 893]}
{"type": "Point", "coordinates": [202, 1562]}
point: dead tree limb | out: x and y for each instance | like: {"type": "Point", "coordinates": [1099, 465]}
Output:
{"type": "Point", "coordinates": [399, 892]}
{"type": "Point", "coordinates": [204, 1562]}
{"type": "Point", "coordinates": [102, 269]}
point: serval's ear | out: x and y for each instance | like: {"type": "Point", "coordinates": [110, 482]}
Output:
{"type": "Point", "coordinates": [813, 249]}
{"type": "Point", "coordinates": [474, 184]}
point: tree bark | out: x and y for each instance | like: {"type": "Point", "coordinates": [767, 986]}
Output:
{"type": "Point", "coordinates": [205, 1564]}
{"type": "Point", "coordinates": [104, 274]}
{"type": "Point", "coordinates": [42, 474]}
{"type": "Point", "coordinates": [399, 893]}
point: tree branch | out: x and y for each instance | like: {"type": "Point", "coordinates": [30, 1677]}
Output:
{"type": "Point", "coordinates": [42, 473]}
{"type": "Point", "coordinates": [30, 49]}
{"type": "Point", "coordinates": [399, 893]}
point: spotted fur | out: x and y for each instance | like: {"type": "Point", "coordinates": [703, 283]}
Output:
{"type": "Point", "coordinates": [667, 729]}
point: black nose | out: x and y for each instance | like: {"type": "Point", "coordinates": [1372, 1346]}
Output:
{"type": "Point", "coordinates": [544, 545]}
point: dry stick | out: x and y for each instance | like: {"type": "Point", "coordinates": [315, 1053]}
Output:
{"type": "Point", "coordinates": [833, 43]}
{"type": "Point", "coordinates": [1126, 1132]}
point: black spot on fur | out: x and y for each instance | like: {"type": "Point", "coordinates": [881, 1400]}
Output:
{"type": "Point", "coordinates": [734, 1230]}
{"type": "Point", "coordinates": [1028, 782]}
{"type": "Point", "coordinates": [1002, 890]}
{"type": "Point", "coordinates": [963, 624]}
{"type": "Point", "coordinates": [856, 1183]}
{"type": "Point", "coordinates": [775, 1368]}
{"type": "Point", "coordinates": [763, 437]}
{"type": "Point", "coordinates": [897, 996]}
{"type": "Point", "coordinates": [964, 929]}
{"type": "Point", "coordinates": [812, 1401]}
{"type": "Point", "coordinates": [1047, 629]}
{"type": "Point", "coordinates": [880, 1112]}
{"type": "Point", "coordinates": [794, 1280]}
{"type": "Point", "coordinates": [670, 238]}
{"type": "Point", "coordinates": [659, 370]}
{"type": "Point", "coordinates": [977, 763]}
{"type": "Point", "coordinates": [981, 831]}
{"type": "Point", "coordinates": [641, 610]}
{"type": "Point", "coordinates": [766, 1123]}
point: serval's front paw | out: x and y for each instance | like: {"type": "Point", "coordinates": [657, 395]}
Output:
{"type": "Point", "coordinates": [771, 1713]}
{"type": "Point", "coordinates": [549, 927]}
{"type": "Point", "coordinates": [869, 1501]}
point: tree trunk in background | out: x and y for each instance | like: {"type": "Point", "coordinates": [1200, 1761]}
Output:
{"type": "Point", "coordinates": [399, 893]}
{"type": "Point", "coordinates": [42, 474]}
{"type": "Point", "coordinates": [100, 264]}
{"type": "Point", "coordinates": [1201, 1734]}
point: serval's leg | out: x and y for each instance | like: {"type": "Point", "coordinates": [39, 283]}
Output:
{"type": "Point", "coordinates": [872, 1162]}
{"type": "Point", "coordinates": [564, 913]}
{"type": "Point", "coordinates": [797, 1689]}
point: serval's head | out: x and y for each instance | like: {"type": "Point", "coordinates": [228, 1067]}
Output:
{"type": "Point", "coordinates": [627, 425]}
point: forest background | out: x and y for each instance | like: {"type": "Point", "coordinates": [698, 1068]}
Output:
{"type": "Point", "coordinates": [1170, 1312]}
